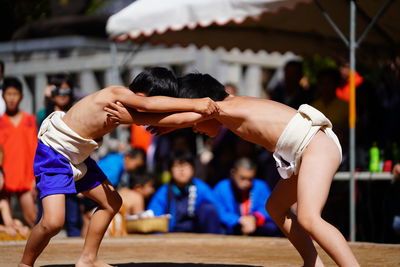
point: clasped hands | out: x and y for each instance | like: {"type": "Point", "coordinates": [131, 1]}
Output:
{"type": "Point", "coordinates": [118, 114]}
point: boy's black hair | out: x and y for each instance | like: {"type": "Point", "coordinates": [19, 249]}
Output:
{"type": "Point", "coordinates": [197, 85]}
{"type": "Point", "coordinates": [180, 156]}
{"type": "Point", "coordinates": [60, 78]}
{"type": "Point", "coordinates": [155, 81]}
{"type": "Point", "coordinates": [12, 82]}
{"type": "Point", "coordinates": [139, 179]}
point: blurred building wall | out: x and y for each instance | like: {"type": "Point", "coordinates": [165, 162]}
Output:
{"type": "Point", "coordinates": [97, 63]}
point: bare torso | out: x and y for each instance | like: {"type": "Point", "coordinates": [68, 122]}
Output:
{"type": "Point", "coordinates": [87, 117]}
{"type": "Point", "coordinates": [259, 121]}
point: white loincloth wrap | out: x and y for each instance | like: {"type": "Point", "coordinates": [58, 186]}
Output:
{"type": "Point", "coordinates": [297, 135]}
{"type": "Point", "coordinates": [57, 135]}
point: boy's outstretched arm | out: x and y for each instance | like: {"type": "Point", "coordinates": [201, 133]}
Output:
{"type": "Point", "coordinates": [164, 103]}
{"type": "Point", "coordinates": [120, 115]}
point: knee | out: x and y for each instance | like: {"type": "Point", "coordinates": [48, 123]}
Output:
{"type": "Point", "coordinates": [308, 220]}
{"type": "Point", "coordinates": [115, 203]}
{"type": "Point", "coordinates": [51, 226]}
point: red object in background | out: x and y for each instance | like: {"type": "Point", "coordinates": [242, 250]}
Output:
{"type": "Point", "coordinates": [140, 137]}
{"type": "Point", "coordinates": [387, 166]}
{"type": "Point", "coordinates": [343, 92]}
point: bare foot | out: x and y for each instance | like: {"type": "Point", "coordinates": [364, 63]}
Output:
{"type": "Point", "coordinates": [23, 265]}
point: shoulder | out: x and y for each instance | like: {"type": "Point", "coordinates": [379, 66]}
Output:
{"type": "Point", "coordinates": [163, 189]}
{"type": "Point", "coordinates": [2, 118]}
{"type": "Point", "coordinates": [29, 116]}
{"type": "Point", "coordinates": [116, 90]}
{"type": "Point", "coordinates": [236, 105]}
{"type": "Point", "coordinates": [260, 184]}
{"type": "Point", "coordinates": [201, 184]}
{"type": "Point", "coordinates": [222, 184]}
{"type": "Point", "coordinates": [259, 181]}
{"type": "Point", "coordinates": [197, 181]}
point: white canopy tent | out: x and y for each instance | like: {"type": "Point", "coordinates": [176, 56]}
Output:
{"type": "Point", "coordinates": [303, 26]}
{"type": "Point", "coordinates": [270, 25]}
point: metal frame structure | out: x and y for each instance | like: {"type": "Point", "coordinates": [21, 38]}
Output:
{"type": "Point", "coordinates": [352, 43]}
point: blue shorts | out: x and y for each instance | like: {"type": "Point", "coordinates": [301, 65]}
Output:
{"type": "Point", "coordinates": [54, 175]}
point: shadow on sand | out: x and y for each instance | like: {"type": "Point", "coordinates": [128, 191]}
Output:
{"type": "Point", "coordinates": [161, 264]}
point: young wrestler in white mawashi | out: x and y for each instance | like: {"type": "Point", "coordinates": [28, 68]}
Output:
{"type": "Point", "coordinates": [304, 145]}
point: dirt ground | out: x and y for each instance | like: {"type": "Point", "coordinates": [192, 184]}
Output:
{"type": "Point", "coordinates": [170, 250]}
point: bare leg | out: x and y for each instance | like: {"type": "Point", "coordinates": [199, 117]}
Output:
{"type": "Point", "coordinates": [319, 164]}
{"type": "Point", "coordinates": [109, 203]}
{"type": "Point", "coordinates": [51, 223]}
{"type": "Point", "coordinates": [28, 207]}
{"type": "Point", "coordinates": [278, 206]}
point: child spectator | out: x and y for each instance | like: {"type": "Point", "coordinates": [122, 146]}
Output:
{"type": "Point", "coordinates": [18, 140]}
{"type": "Point", "coordinates": [134, 196]}
{"type": "Point", "coordinates": [59, 96]}
{"type": "Point", "coordinates": [189, 200]}
{"type": "Point", "coordinates": [241, 201]}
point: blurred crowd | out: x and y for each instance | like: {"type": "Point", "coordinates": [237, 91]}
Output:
{"type": "Point", "coordinates": [207, 185]}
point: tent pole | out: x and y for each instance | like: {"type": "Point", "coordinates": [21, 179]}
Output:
{"type": "Point", "coordinates": [332, 23]}
{"type": "Point", "coordinates": [352, 120]}
{"type": "Point", "coordinates": [381, 11]}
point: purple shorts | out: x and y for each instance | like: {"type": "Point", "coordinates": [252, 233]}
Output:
{"type": "Point", "coordinates": [53, 173]}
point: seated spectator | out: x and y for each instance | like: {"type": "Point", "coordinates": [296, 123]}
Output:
{"type": "Point", "coordinates": [139, 190]}
{"type": "Point", "coordinates": [241, 201]}
{"type": "Point", "coordinates": [189, 200]}
{"type": "Point", "coordinates": [58, 96]}
{"type": "Point", "coordinates": [115, 164]}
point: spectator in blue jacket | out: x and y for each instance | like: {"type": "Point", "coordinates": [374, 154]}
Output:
{"type": "Point", "coordinates": [189, 200]}
{"type": "Point", "coordinates": [241, 201]}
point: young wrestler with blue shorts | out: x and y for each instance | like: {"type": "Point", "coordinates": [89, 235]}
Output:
{"type": "Point", "coordinates": [63, 164]}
